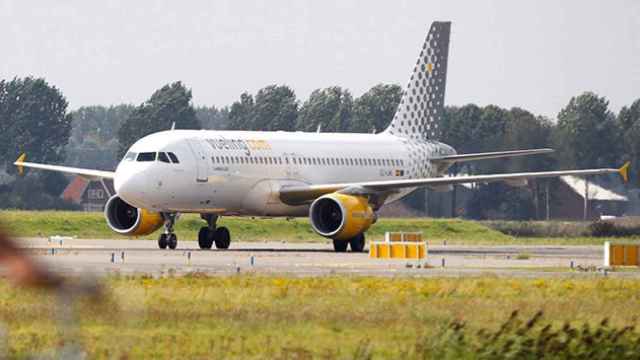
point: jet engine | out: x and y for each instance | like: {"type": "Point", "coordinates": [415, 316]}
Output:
{"type": "Point", "coordinates": [340, 216]}
{"type": "Point", "coordinates": [128, 220]}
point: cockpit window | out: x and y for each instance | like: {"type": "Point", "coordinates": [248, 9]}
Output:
{"type": "Point", "coordinates": [174, 158]}
{"type": "Point", "coordinates": [147, 156]}
{"type": "Point", "coordinates": [130, 156]}
{"type": "Point", "coordinates": [163, 157]}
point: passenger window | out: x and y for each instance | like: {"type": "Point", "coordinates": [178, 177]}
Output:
{"type": "Point", "coordinates": [163, 157]}
{"type": "Point", "coordinates": [130, 156]}
{"type": "Point", "coordinates": [147, 156]}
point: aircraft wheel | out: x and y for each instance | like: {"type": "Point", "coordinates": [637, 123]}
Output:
{"type": "Point", "coordinates": [172, 240]}
{"type": "Point", "coordinates": [340, 245]}
{"type": "Point", "coordinates": [205, 238]}
{"type": "Point", "coordinates": [357, 243]}
{"type": "Point", "coordinates": [222, 238]}
{"type": "Point", "coordinates": [162, 241]}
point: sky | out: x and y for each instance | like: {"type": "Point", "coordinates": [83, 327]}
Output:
{"type": "Point", "coordinates": [534, 54]}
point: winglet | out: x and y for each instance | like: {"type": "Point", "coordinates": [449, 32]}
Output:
{"type": "Point", "coordinates": [19, 162]}
{"type": "Point", "coordinates": [624, 171]}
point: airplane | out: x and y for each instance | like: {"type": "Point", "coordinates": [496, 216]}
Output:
{"type": "Point", "coordinates": [338, 180]}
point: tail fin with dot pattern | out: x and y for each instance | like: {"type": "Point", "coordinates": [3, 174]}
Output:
{"type": "Point", "coordinates": [421, 109]}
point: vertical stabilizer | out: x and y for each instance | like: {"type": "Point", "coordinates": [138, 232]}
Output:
{"type": "Point", "coordinates": [420, 111]}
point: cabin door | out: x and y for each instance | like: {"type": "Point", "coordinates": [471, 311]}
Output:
{"type": "Point", "coordinates": [200, 156]}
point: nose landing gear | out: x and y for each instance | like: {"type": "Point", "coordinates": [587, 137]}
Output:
{"type": "Point", "coordinates": [210, 234]}
{"type": "Point", "coordinates": [168, 238]}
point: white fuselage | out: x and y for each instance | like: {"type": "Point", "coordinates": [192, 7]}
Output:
{"type": "Point", "coordinates": [240, 172]}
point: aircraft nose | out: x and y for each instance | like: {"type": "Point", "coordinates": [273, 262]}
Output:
{"type": "Point", "coordinates": [129, 187]}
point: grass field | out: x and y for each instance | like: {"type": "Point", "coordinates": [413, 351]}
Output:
{"type": "Point", "coordinates": [93, 225]}
{"type": "Point", "coordinates": [331, 317]}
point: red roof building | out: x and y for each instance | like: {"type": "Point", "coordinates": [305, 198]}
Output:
{"type": "Point", "coordinates": [91, 195]}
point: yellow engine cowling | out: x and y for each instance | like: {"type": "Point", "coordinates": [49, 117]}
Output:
{"type": "Point", "coordinates": [340, 216]}
{"type": "Point", "coordinates": [131, 221]}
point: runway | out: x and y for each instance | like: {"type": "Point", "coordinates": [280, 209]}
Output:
{"type": "Point", "coordinates": [103, 257]}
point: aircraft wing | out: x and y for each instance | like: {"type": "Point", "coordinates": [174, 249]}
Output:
{"type": "Point", "coordinates": [489, 155]}
{"type": "Point", "coordinates": [85, 173]}
{"type": "Point", "coordinates": [300, 194]}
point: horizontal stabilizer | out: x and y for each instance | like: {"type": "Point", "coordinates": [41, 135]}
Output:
{"type": "Point", "coordinates": [490, 155]}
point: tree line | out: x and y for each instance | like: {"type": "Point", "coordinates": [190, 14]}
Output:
{"type": "Point", "coordinates": [34, 118]}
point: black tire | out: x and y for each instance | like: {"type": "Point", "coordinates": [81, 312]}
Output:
{"type": "Point", "coordinates": [162, 241]}
{"type": "Point", "coordinates": [205, 238]}
{"type": "Point", "coordinates": [357, 243]}
{"type": "Point", "coordinates": [172, 241]}
{"type": "Point", "coordinates": [340, 245]}
{"type": "Point", "coordinates": [222, 238]}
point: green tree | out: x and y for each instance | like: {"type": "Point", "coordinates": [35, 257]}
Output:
{"type": "Point", "coordinates": [275, 108]}
{"type": "Point", "coordinates": [212, 118]}
{"type": "Point", "coordinates": [331, 108]}
{"type": "Point", "coordinates": [457, 126]}
{"type": "Point", "coordinates": [241, 113]}
{"type": "Point", "coordinates": [169, 105]}
{"type": "Point", "coordinates": [527, 131]}
{"type": "Point", "coordinates": [94, 142]}
{"type": "Point", "coordinates": [587, 134]}
{"type": "Point", "coordinates": [374, 110]}
{"type": "Point", "coordinates": [33, 119]}
{"type": "Point", "coordinates": [629, 123]}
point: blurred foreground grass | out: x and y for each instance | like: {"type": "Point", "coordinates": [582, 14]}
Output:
{"type": "Point", "coordinates": [453, 231]}
{"type": "Point", "coordinates": [332, 317]}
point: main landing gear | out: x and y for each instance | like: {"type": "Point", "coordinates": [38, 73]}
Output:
{"type": "Point", "coordinates": [168, 238]}
{"type": "Point", "coordinates": [356, 243]}
{"type": "Point", "coordinates": [210, 234]}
